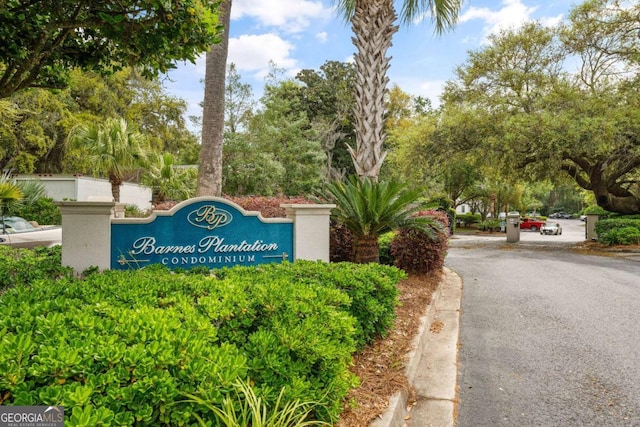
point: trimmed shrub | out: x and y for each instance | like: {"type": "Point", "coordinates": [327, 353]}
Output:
{"type": "Point", "coordinates": [618, 230]}
{"type": "Point", "coordinates": [414, 252]}
{"type": "Point", "coordinates": [622, 236]}
{"type": "Point", "coordinates": [109, 349]}
{"type": "Point", "coordinates": [372, 289]}
{"type": "Point", "coordinates": [128, 347]}
{"type": "Point", "coordinates": [25, 266]}
{"type": "Point", "coordinates": [623, 230]}
{"type": "Point", "coordinates": [597, 210]}
{"type": "Point", "coordinates": [468, 219]}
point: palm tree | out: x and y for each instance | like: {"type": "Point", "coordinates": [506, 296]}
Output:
{"type": "Point", "coordinates": [373, 23]}
{"type": "Point", "coordinates": [112, 148]}
{"type": "Point", "coordinates": [168, 180]}
{"type": "Point", "coordinates": [369, 209]}
{"type": "Point", "coordinates": [210, 168]}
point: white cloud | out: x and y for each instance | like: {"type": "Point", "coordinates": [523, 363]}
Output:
{"type": "Point", "coordinates": [291, 16]}
{"type": "Point", "coordinates": [253, 52]}
{"type": "Point", "coordinates": [552, 21]}
{"type": "Point", "coordinates": [512, 14]}
{"type": "Point", "coordinates": [322, 37]}
{"type": "Point", "coordinates": [431, 89]}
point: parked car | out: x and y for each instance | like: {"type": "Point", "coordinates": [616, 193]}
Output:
{"type": "Point", "coordinates": [20, 233]}
{"type": "Point", "coordinates": [561, 215]}
{"type": "Point", "coordinates": [532, 224]}
{"type": "Point", "coordinates": [551, 228]}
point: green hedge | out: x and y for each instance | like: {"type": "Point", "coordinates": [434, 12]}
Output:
{"type": "Point", "coordinates": [125, 348]}
{"type": "Point", "coordinates": [23, 266]}
{"type": "Point", "coordinates": [371, 289]}
{"type": "Point", "coordinates": [43, 211]}
{"type": "Point", "coordinates": [468, 219]}
{"type": "Point", "coordinates": [619, 230]}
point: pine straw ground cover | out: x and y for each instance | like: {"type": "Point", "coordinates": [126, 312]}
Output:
{"type": "Point", "coordinates": [381, 366]}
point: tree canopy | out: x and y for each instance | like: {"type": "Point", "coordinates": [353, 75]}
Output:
{"type": "Point", "coordinates": [34, 123]}
{"type": "Point", "coordinates": [40, 41]}
{"type": "Point", "coordinates": [518, 103]}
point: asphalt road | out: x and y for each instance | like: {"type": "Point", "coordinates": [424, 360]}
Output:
{"type": "Point", "coordinates": [548, 337]}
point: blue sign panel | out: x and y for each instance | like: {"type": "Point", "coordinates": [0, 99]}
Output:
{"type": "Point", "coordinates": [204, 231]}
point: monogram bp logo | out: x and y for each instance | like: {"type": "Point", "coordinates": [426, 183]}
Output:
{"type": "Point", "coordinates": [209, 217]}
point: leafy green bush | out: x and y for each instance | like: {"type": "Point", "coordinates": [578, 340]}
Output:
{"type": "Point", "coordinates": [24, 266]}
{"type": "Point", "coordinates": [595, 210]}
{"type": "Point", "coordinates": [618, 230]}
{"type": "Point", "coordinates": [490, 225]}
{"type": "Point", "coordinates": [415, 252]}
{"type": "Point", "coordinates": [42, 210]}
{"type": "Point", "coordinates": [622, 236]}
{"type": "Point", "coordinates": [384, 242]}
{"type": "Point", "coordinates": [468, 219]}
{"type": "Point", "coordinates": [372, 290]}
{"type": "Point", "coordinates": [126, 347]}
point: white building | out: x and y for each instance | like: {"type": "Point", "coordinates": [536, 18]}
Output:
{"type": "Point", "coordinates": [82, 189]}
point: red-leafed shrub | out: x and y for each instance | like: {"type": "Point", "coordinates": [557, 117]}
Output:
{"type": "Point", "coordinates": [415, 252]}
{"type": "Point", "coordinates": [165, 206]}
{"type": "Point", "coordinates": [269, 207]}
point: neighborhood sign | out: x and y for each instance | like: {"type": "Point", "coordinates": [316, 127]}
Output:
{"type": "Point", "coordinates": [209, 232]}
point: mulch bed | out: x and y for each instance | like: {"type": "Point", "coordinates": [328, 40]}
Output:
{"type": "Point", "coordinates": [381, 366]}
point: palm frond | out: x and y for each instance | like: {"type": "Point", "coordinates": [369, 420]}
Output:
{"type": "Point", "coordinates": [370, 208]}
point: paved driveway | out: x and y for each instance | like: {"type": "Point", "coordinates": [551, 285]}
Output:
{"type": "Point", "coordinates": [548, 337]}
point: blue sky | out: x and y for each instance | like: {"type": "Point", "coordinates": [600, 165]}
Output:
{"type": "Point", "coordinates": [304, 34]}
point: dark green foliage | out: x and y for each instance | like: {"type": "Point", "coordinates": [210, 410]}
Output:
{"type": "Point", "coordinates": [23, 266]}
{"type": "Point", "coordinates": [38, 45]}
{"type": "Point", "coordinates": [490, 225]}
{"type": "Point", "coordinates": [622, 236]}
{"type": "Point", "coordinates": [43, 211]}
{"type": "Point", "coordinates": [127, 347]}
{"type": "Point", "coordinates": [468, 219]}
{"type": "Point", "coordinates": [619, 230]}
{"type": "Point", "coordinates": [384, 242]}
{"type": "Point", "coordinates": [416, 252]}
{"type": "Point", "coordinates": [372, 289]}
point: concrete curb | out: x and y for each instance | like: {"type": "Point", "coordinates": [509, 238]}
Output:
{"type": "Point", "coordinates": [432, 364]}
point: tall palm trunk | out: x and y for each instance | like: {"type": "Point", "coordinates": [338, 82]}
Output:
{"type": "Point", "coordinates": [116, 182]}
{"type": "Point", "coordinates": [210, 170]}
{"type": "Point", "coordinates": [373, 26]}
{"type": "Point", "coordinates": [366, 249]}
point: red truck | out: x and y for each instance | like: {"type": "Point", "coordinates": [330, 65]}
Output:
{"type": "Point", "coordinates": [532, 224]}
